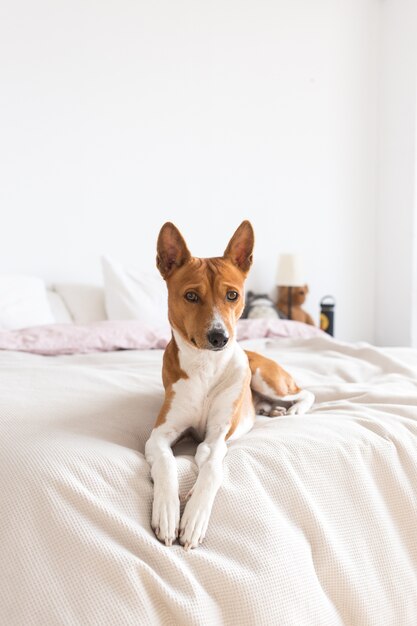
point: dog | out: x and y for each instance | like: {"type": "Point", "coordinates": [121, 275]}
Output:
{"type": "Point", "coordinates": [213, 388]}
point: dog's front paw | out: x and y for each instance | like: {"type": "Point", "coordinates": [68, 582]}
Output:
{"type": "Point", "coordinates": [166, 517]}
{"type": "Point", "coordinates": [194, 522]}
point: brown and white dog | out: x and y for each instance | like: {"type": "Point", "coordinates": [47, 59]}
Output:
{"type": "Point", "coordinates": [213, 388]}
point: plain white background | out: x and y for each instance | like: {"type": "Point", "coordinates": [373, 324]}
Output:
{"type": "Point", "coordinates": [118, 116]}
{"type": "Point", "coordinates": [396, 253]}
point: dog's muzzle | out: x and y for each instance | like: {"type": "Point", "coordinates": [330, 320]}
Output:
{"type": "Point", "coordinates": [217, 339]}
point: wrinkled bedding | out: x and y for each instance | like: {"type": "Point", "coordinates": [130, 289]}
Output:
{"type": "Point", "coordinates": [107, 336]}
{"type": "Point", "coordinates": [315, 522]}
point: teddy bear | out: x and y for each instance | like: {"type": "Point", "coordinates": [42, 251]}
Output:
{"type": "Point", "coordinates": [298, 296]}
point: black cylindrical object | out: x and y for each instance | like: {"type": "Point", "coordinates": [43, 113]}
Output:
{"type": "Point", "coordinates": [327, 304]}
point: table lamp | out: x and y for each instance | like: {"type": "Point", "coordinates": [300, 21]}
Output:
{"type": "Point", "coordinates": [290, 274]}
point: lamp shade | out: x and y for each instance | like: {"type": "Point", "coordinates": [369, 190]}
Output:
{"type": "Point", "coordinates": [290, 272]}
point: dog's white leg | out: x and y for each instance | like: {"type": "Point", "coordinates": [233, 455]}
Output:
{"type": "Point", "coordinates": [166, 505]}
{"type": "Point", "coordinates": [303, 401]}
{"type": "Point", "coordinates": [272, 382]}
{"type": "Point", "coordinates": [209, 458]}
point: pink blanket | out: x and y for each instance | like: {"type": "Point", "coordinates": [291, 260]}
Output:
{"type": "Point", "coordinates": [105, 336]}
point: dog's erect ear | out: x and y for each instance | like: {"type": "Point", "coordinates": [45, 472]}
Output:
{"type": "Point", "coordinates": [172, 251]}
{"type": "Point", "coordinates": [240, 247]}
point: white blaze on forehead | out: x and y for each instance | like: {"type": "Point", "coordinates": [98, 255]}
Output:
{"type": "Point", "coordinates": [217, 323]}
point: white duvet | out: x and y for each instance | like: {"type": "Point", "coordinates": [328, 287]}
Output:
{"type": "Point", "coordinates": [315, 523]}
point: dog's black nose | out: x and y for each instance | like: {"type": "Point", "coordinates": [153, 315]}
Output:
{"type": "Point", "coordinates": [217, 339]}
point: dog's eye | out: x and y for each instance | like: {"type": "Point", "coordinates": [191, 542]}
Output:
{"type": "Point", "coordinates": [232, 295]}
{"type": "Point", "coordinates": [191, 296]}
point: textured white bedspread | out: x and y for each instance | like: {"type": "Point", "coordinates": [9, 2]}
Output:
{"type": "Point", "coordinates": [315, 523]}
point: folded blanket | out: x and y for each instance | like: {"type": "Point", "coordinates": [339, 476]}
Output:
{"type": "Point", "coordinates": [106, 336]}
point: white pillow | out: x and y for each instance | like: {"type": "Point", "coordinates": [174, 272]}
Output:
{"type": "Point", "coordinates": [58, 308]}
{"type": "Point", "coordinates": [84, 302]}
{"type": "Point", "coordinates": [134, 295]}
{"type": "Point", "coordinates": [23, 302]}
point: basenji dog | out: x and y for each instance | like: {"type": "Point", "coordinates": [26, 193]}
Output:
{"type": "Point", "coordinates": [213, 388]}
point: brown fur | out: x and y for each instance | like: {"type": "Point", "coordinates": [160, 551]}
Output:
{"type": "Point", "coordinates": [242, 404]}
{"type": "Point", "coordinates": [210, 279]}
{"type": "Point", "coordinates": [171, 372]}
{"type": "Point", "coordinates": [273, 374]}
{"type": "Point", "coordinates": [169, 395]}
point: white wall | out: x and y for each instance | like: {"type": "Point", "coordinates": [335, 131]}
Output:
{"type": "Point", "coordinates": [116, 116]}
{"type": "Point", "coordinates": [396, 286]}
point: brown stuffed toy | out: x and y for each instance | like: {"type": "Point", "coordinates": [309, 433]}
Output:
{"type": "Point", "coordinates": [299, 295]}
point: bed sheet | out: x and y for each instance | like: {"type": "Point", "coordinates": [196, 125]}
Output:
{"type": "Point", "coordinates": [315, 523]}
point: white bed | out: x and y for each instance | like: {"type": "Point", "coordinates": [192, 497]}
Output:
{"type": "Point", "coordinates": [315, 523]}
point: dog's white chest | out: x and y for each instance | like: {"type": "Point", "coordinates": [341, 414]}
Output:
{"type": "Point", "coordinates": [194, 402]}
{"type": "Point", "coordinates": [214, 380]}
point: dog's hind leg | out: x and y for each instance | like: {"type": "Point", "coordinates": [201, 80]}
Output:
{"type": "Point", "coordinates": [266, 406]}
{"type": "Point", "coordinates": [276, 386]}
